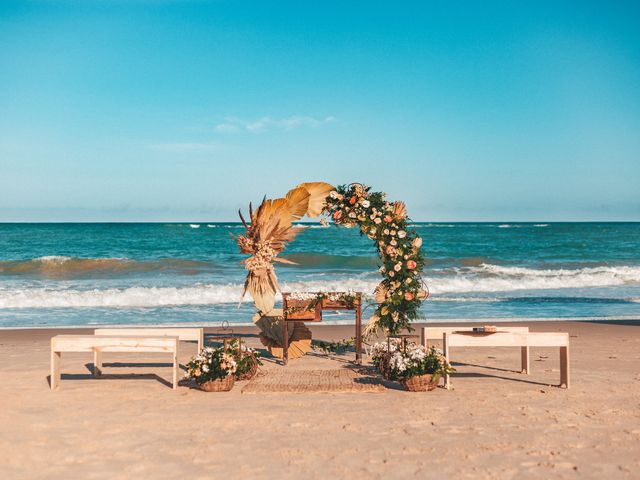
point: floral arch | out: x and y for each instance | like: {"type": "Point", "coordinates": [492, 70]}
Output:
{"type": "Point", "coordinates": [401, 291]}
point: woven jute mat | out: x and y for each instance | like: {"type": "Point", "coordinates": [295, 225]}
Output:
{"type": "Point", "coordinates": [312, 381]}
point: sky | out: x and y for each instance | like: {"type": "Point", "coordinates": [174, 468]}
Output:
{"type": "Point", "coordinates": [152, 110]}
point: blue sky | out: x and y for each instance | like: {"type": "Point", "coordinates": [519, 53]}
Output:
{"type": "Point", "coordinates": [186, 110]}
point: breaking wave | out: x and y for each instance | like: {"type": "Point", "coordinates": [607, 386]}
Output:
{"type": "Point", "coordinates": [464, 280]}
{"type": "Point", "coordinates": [62, 267]}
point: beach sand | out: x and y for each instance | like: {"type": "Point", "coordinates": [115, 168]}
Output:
{"type": "Point", "coordinates": [495, 423]}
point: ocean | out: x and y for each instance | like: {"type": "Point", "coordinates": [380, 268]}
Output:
{"type": "Point", "coordinates": [181, 273]}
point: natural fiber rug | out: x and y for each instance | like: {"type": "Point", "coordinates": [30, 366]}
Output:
{"type": "Point", "coordinates": [312, 381]}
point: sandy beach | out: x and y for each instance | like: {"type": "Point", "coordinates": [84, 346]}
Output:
{"type": "Point", "coordinates": [495, 423]}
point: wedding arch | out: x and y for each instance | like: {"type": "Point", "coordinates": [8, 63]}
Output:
{"type": "Point", "coordinates": [271, 226]}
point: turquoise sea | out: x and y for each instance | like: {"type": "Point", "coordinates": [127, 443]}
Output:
{"type": "Point", "coordinates": [170, 273]}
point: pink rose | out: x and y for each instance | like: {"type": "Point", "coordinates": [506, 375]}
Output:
{"type": "Point", "coordinates": [411, 264]}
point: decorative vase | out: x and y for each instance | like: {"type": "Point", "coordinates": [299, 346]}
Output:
{"type": "Point", "coordinates": [421, 383]}
{"type": "Point", "coordinates": [219, 384]}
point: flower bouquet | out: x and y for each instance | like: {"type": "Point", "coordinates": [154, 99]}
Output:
{"type": "Point", "coordinates": [213, 370]}
{"type": "Point", "coordinates": [417, 368]}
{"type": "Point", "coordinates": [247, 360]}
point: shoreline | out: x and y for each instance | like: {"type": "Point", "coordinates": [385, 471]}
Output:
{"type": "Point", "coordinates": [631, 319]}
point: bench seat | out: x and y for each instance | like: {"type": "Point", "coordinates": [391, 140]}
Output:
{"type": "Point", "coordinates": [523, 340]}
{"type": "Point", "coordinates": [111, 343]}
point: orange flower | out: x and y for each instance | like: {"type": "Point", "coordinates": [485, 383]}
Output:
{"type": "Point", "coordinates": [390, 250]}
{"type": "Point", "coordinates": [353, 200]}
{"type": "Point", "coordinates": [337, 215]}
{"type": "Point", "coordinates": [411, 264]}
{"type": "Point", "coordinates": [408, 296]}
{"type": "Point", "coordinates": [388, 219]}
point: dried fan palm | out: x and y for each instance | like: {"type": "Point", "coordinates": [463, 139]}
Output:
{"type": "Point", "coordinates": [270, 230]}
{"type": "Point", "coordinates": [318, 192]}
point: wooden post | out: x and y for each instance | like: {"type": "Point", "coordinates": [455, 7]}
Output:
{"type": "Point", "coordinates": [201, 340]}
{"type": "Point", "coordinates": [359, 331]}
{"type": "Point", "coordinates": [564, 366]}
{"type": "Point", "coordinates": [175, 366]}
{"type": "Point", "coordinates": [445, 347]}
{"type": "Point", "coordinates": [97, 362]}
{"type": "Point", "coordinates": [285, 340]}
{"type": "Point", "coordinates": [55, 369]}
{"type": "Point", "coordinates": [524, 355]}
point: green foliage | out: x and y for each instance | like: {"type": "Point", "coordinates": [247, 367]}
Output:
{"type": "Point", "coordinates": [401, 291]}
{"type": "Point", "coordinates": [337, 347]}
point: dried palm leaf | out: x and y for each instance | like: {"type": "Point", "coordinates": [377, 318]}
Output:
{"type": "Point", "coordinates": [380, 293]}
{"type": "Point", "coordinates": [270, 230]}
{"type": "Point", "coordinates": [399, 210]}
{"type": "Point", "coordinates": [318, 192]}
{"type": "Point", "coordinates": [371, 327]}
{"type": "Point", "coordinates": [297, 201]}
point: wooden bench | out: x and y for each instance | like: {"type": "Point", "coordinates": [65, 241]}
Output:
{"type": "Point", "coordinates": [436, 333]}
{"type": "Point", "coordinates": [110, 343]}
{"type": "Point", "coordinates": [512, 339]}
{"type": "Point", "coordinates": [184, 334]}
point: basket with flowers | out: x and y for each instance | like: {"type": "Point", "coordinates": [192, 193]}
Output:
{"type": "Point", "coordinates": [247, 360]}
{"type": "Point", "coordinates": [213, 369]}
{"type": "Point", "coordinates": [417, 368]}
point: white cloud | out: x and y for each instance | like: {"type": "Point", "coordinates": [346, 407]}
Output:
{"type": "Point", "coordinates": [227, 128]}
{"type": "Point", "coordinates": [265, 124]}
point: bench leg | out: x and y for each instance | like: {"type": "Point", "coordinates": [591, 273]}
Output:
{"type": "Point", "coordinates": [55, 369]}
{"type": "Point", "coordinates": [445, 347]}
{"type": "Point", "coordinates": [524, 355]}
{"type": "Point", "coordinates": [175, 370]}
{"type": "Point", "coordinates": [97, 363]}
{"type": "Point", "coordinates": [285, 342]}
{"type": "Point", "coordinates": [564, 366]}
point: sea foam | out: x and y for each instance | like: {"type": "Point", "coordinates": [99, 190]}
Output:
{"type": "Point", "coordinates": [464, 280]}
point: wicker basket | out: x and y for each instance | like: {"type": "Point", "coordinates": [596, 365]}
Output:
{"type": "Point", "coordinates": [219, 385]}
{"type": "Point", "coordinates": [249, 374]}
{"type": "Point", "coordinates": [421, 383]}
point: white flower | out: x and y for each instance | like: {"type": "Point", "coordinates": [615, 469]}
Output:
{"type": "Point", "coordinates": [393, 242]}
{"type": "Point", "coordinates": [397, 267]}
{"type": "Point", "coordinates": [386, 231]}
{"type": "Point", "coordinates": [365, 203]}
{"type": "Point", "coordinates": [393, 232]}
{"type": "Point", "coordinates": [402, 234]}
{"type": "Point", "coordinates": [377, 220]}
{"type": "Point", "coordinates": [352, 215]}
{"type": "Point", "coordinates": [333, 194]}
